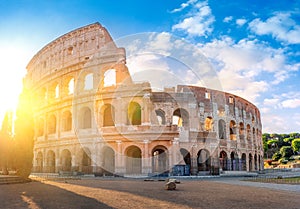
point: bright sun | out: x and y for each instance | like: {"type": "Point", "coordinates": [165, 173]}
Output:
{"type": "Point", "coordinates": [13, 63]}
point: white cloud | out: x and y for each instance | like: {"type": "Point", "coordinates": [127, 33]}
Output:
{"type": "Point", "coordinates": [291, 103]}
{"type": "Point", "coordinates": [271, 102]}
{"type": "Point", "coordinates": [199, 22]}
{"type": "Point", "coordinates": [240, 22]}
{"type": "Point", "coordinates": [183, 6]}
{"type": "Point", "coordinates": [227, 19]}
{"type": "Point", "coordinates": [241, 64]}
{"type": "Point", "coordinates": [281, 26]}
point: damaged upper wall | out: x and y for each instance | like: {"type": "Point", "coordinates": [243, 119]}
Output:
{"type": "Point", "coordinates": [74, 48]}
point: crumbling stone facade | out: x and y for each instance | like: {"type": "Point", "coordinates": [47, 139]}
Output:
{"type": "Point", "coordinates": [90, 116]}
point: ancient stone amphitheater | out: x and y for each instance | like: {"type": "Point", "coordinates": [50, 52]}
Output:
{"type": "Point", "coordinates": [92, 118]}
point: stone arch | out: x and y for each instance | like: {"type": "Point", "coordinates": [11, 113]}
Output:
{"type": "Point", "coordinates": [41, 125]}
{"type": "Point", "coordinates": [244, 162]}
{"type": "Point", "coordinates": [53, 91]}
{"type": "Point", "coordinates": [39, 162]}
{"type": "Point", "coordinates": [51, 124]}
{"type": "Point", "coordinates": [70, 86]}
{"type": "Point", "coordinates": [203, 160]}
{"type": "Point", "coordinates": [253, 135]}
{"type": "Point", "coordinates": [85, 118]}
{"type": "Point", "coordinates": [248, 133]}
{"type": "Point", "coordinates": [88, 81]}
{"type": "Point", "coordinates": [108, 160]}
{"type": "Point", "coordinates": [161, 117]}
{"type": "Point", "coordinates": [242, 131]}
{"type": "Point", "coordinates": [50, 162]}
{"type": "Point", "coordinates": [159, 159]}
{"type": "Point", "coordinates": [134, 113]}
{"type": "Point", "coordinates": [250, 161]}
{"type": "Point", "coordinates": [222, 129]}
{"type": "Point", "coordinates": [66, 160]}
{"type": "Point", "coordinates": [186, 159]}
{"type": "Point", "coordinates": [232, 130]}
{"type": "Point", "coordinates": [108, 114]}
{"type": "Point", "coordinates": [133, 160]}
{"type": "Point", "coordinates": [223, 160]}
{"type": "Point", "coordinates": [181, 118]}
{"type": "Point", "coordinates": [86, 161]}
{"type": "Point", "coordinates": [208, 125]}
{"type": "Point", "coordinates": [234, 161]}
{"type": "Point", "coordinates": [67, 121]}
{"type": "Point", "coordinates": [109, 78]}
{"type": "Point", "coordinates": [255, 162]}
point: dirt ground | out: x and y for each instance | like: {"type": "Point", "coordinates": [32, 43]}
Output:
{"type": "Point", "coordinates": [126, 193]}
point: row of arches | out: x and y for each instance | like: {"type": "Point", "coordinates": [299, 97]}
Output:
{"type": "Point", "coordinates": [85, 118]}
{"type": "Point", "coordinates": [133, 156]}
{"type": "Point", "coordinates": [85, 82]}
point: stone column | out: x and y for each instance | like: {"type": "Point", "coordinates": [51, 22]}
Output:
{"type": "Point", "coordinates": [119, 159]}
{"type": "Point", "coordinates": [146, 159]}
{"type": "Point", "coordinates": [194, 165]}
{"type": "Point", "coordinates": [146, 111]}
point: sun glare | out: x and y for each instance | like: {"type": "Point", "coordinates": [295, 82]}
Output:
{"type": "Point", "coordinates": [13, 65]}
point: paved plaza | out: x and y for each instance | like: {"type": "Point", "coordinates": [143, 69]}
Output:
{"type": "Point", "coordinates": [137, 193]}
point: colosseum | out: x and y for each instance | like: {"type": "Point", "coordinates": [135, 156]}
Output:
{"type": "Point", "coordinates": [92, 118]}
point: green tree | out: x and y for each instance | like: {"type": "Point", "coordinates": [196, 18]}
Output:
{"type": "Point", "coordinates": [24, 133]}
{"type": "Point", "coordinates": [286, 152]}
{"type": "Point", "coordinates": [6, 143]}
{"type": "Point", "coordinates": [296, 145]}
{"type": "Point", "coordinates": [276, 156]}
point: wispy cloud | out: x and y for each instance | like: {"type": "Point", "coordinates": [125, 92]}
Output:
{"type": "Point", "coordinates": [199, 21]}
{"type": "Point", "coordinates": [281, 26]}
{"type": "Point", "coordinates": [183, 6]}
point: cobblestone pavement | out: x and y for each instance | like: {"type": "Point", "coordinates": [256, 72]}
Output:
{"type": "Point", "coordinates": [224, 193]}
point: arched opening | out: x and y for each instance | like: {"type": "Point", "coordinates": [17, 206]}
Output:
{"type": "Point", "coordinates": [67, 121]}
{"type": "Point", "coordinates": [108, 115]}
{"type": "Point", "coordinates": [51, 124]}
{"type": "Point", "coordinates": [108, 164]}
{"type": "Point", "coordinates": [86, 161]}
{"type": "Point", "coordinates": [241, 132]}
{"type": "Point", "coordinates": [66, 160]}
{"type": "Point", "coordinates": [71, 85]}
{"type": "Point", "coordinates": [50, 162]}
{"type": "Point", "coordinates": [39, 162]}
{"type": "Point", "coordinates": [88, 81]}
{"type": "Point", "coordinates": [134, 113]}
{"type": "Point", "coordinates": [57, 91]}
{"type": "Point", "coordinates": [160, 159]}
{"type": "Point", "coordinates": [85, 118]}
{"type": "Point", "coordinates": [160, 114]}
{"type": "Point", "coordinates": [232, 130]}
{"type": "Point", "coordinates": [208, 126]}
{"type": "Point", "coordinates": [41, 127]}
{"type": "Point", "coordinates": [181, 118]}
{"type": "Point", "coordinates": [203, 160]}
{"type": "Point", "coordinates": [223, 161]}
{"type": "Point", "coordinates": [234, 161]}
{"type": "Point", "coordinates": [248, 133]}
{"type": "Point", "coordinates": [186, 159]}
{"type": "Point", "coordinates": [109, 78]}
{"type": "Point", "coordinates": [250, 162]}
{"type": "Point", "coordinates": [244, 162]}
{"type": "Point", "coordinates": [133, 160]}
{"type": "Point", "coordinates": [222, 129]}
{"type": "Point", "coordinates": [253, 136]}
{"type": "Point", "coordinates": [255, 162]}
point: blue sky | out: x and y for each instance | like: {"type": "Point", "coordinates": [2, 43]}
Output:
{"type": "Point", "coordinates": [253, 46]}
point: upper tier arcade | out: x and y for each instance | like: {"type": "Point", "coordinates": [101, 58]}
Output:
{"type": "Point", "coordinates": [74, 48]}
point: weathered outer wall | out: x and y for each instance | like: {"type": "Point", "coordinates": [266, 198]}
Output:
{"type": "Point", "coordinates": [90, 51]}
